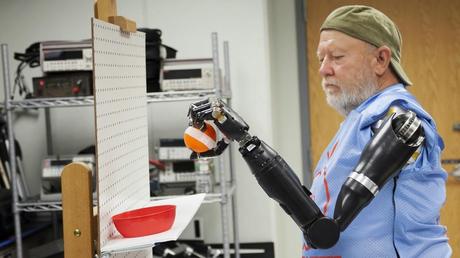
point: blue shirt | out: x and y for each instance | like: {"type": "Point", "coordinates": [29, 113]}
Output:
{"type": "Point", "coordinates": [404, 216]}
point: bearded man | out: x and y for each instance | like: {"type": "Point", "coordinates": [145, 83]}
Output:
{"type": "Point", "coordinates": [359, 53]}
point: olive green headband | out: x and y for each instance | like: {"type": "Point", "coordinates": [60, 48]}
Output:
{"type": "Point", "coordinates": [372, 26]}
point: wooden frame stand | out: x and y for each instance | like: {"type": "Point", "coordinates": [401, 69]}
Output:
{"type": "Point", "coordinates": [106, 10]}
{"type": "Point", "coordinates": [77, 211]}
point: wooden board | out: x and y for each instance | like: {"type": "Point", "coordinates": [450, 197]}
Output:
{"type": "Point", "coordinates": [77, 211]}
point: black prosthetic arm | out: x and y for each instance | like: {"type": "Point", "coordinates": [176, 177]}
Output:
{"type": "Point", "coordinates": [271, 171]}
{"type": "Point", "coordinates": [280, 183]}
{"type": "Point", "coordinates": [383, 157]}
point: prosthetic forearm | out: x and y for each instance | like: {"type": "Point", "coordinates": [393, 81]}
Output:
{"type": "Point", "coordinates": [383, 157]}
{"type": "Point", "coordinates": [280, 183]}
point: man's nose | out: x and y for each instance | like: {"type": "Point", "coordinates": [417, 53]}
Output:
{"type": "Point", "coordinates": [325, 68]}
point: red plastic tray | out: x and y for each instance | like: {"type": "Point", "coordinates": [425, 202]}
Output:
{"type": "Point", "coordinates": [145, 221]}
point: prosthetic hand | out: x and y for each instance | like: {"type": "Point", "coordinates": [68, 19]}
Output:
{"type": "Point", "coordinates": [383, 157]}
{"type": "Point", "coordinates": [228, 122]}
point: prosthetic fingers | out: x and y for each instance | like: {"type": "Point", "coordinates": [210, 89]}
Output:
{"type": "Point", "coordinates": [394, 142]}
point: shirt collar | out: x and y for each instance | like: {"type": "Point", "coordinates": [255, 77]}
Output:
{"type": "Point", "coordinates": [392, 88]}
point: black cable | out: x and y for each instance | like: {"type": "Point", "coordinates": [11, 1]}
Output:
{"type": "Point", "coordinates": [18, 80]}
{"type": "Point", "coordinates": [31, 57]}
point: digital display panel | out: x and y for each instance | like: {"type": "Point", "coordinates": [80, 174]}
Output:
{"type": "Point", "coordinates": [61, 162]}
{"type": "Point", "coordinates": [63, 55]}
{"type": "Point", "coordinates": [182, 74]}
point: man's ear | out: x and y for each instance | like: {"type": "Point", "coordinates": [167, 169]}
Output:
{"type": "Point", "coordinates": [383, 60]}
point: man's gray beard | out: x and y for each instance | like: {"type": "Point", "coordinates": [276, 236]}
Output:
{"type": "Point", "coordinates": [352, 96]}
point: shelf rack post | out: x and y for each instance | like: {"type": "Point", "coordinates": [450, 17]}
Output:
{"type": "Point", "coordinates": [223, 181]}
{"type": "Point", "coordinates": [227, 92]}
{"type": "Point", "coordinates": [12, 152]}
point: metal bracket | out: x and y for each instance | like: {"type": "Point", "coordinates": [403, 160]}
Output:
{"type": "Point", "coordinates": [456, 127]}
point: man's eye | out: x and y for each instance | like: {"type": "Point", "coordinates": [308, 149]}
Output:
{"type": "Point", "coordinates": [321, 60]}
{"type": "Point", "coordinates": [337, 57]}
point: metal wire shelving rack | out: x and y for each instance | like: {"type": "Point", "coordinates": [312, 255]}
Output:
{"type": "Point", "coordinates": [226, 195]}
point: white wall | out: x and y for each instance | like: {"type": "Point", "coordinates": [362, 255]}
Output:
{"type": "Point", "coordinates": [22, 23]}
{"type": "Point", "coordinates": [263, 76]}
{"type": "Point", "coordinates": [286, 113]}
{"type": "Point", "coordinates": [187, 26]}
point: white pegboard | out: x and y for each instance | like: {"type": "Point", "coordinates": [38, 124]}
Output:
{"type": "Point", "coordinates": [121, 126]}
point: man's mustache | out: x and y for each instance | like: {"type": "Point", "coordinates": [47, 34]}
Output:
{"type": "Point", "coordinates": [330, 82]}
